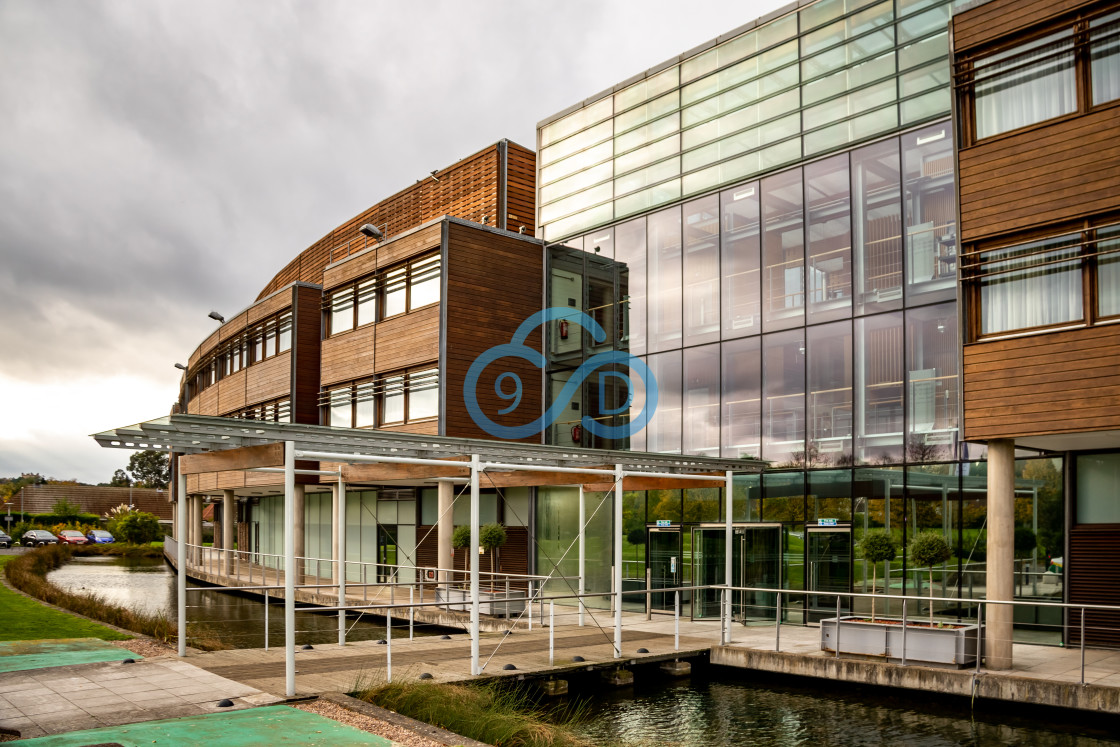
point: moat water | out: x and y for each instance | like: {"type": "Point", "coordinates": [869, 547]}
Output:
{"type": "Point", "coordinates": [714, 707]}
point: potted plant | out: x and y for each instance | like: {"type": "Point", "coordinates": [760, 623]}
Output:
{"type": "Point", "coordinates": [927, 550]}
{"type": "Point", "coordinates": [490, 538]}
{"type": "Point", "coordinates": [878, 546]}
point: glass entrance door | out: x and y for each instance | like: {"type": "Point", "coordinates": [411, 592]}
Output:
{"type": "Point", "coordinates": [759, 567]}
{"type": "Point", "coordinates": [663, 559]}
{"type": "Point", "coordinates": [709, 553]}
{"type": "Point", "coordinates": [386, 553]}
{"type": "Point", "coordinates": [828, 568]}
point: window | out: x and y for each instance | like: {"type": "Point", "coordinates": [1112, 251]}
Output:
{"type": "Point", "coordinates": [1035, 284]}
{"type": "Point", "coordinates": [276, 411]}
{"type": "Point", "coordinates": [389, 400]}
{"type": "Point", "coordinates": [1108, 271]}
{"type": "Point", "coordinates": [1026, 84]}
{"type": "Point", "coordinates": [1104, 54]}
{"type": "Point", "coordinates": [396, 291]}
{"type": "Point", "coordinates": [1096, 488]}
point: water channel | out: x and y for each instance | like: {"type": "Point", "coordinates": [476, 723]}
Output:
{"type": "Point", "coordinates": [716, 706]}
{"type": "Point", "coordinates": [148, 585]}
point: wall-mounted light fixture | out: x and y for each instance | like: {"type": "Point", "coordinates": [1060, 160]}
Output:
{"type": "Point", "coordinates": [180, 366]}
{"type": "Point", "coordinates": [217, 317]}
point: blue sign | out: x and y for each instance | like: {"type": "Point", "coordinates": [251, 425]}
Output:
{"type": "Point", "coordinates": [516, 348]}
{"type": "Point", "coordinates": [664, 523]}
{"type": "Point", "coordinates": [826, 522]}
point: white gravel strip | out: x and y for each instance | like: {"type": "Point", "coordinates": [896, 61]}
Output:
{"type": "Point", "coordinates": [367, 723]}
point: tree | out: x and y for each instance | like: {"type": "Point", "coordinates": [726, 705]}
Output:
{"type": "Point", "coordinates": [877, 547]}
{"type": "Point", "coordinates": [490, 538]}
{"type": "Point", "coordinates": [149, 469]}
{"type": "Point", "coordinates": [120, 479]}
{"type": "Point", "coordinates": [927, 550]}
{"type": "Point", "coordinates": [138, 528]}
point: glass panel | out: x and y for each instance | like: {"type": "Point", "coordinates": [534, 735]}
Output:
{"type": "Point", "coordinates": [1097, 476]}
{"type": "Point", "coordinates": [576, 121]}
{"type": "Point", "coordinates": [924, 78]}
{"type": "Point", "coordinates": [665, 279]}
{"type": "Point", "coordinates": [866, 47]}
{"type": "Point", "coordinates": [878, 504]}
{"type": "Point", "coordinates": [648, 133]}
{"type": "Point", "coordinates": [921, 24]}
{"type": "Point", "coordinates": [931, 209]}
{"type": "Point", "coordinates": [931, 383]}
{"type": "Point", "coordinates": [647, 112]}
{"type": "Point", "coordinates": [342, 311]}
{"type": "Point", "coordinates": [1104, 51]}
{"type": "Point", "coordinates": [650, 153]}
{"type": "Point", "coordinates": [1108, 271]}
{"type": "Point", "coordinates": [931, 497]}
{"type": "Point", "coordinates": [826, 10]}
{"type": "Point", "coordinates": [877, 227]}
{"type": "Point", "coordinates": [830, 495]}
{"type": "Point", "coordinates": [783, 251]}
{"type": "Point", "coordinates": [565, 148]}
{"type": "Point", "coordinates": [630, 249]}
{"type": "Point", "coordinates": [701, 271]}
{"type": "Point", "coordinates": [367, 302]}
{"type": "Point", "coordinates": [576, 182]}
{"type": "Point", "coordinates": [655, 85]}
{"type": "Point", "coordinates": [740, 119]}
{"type": "Point", "coordinates": [926, 106]}
{"type": "Point", "coordinates": [396, 292]}
{"type": "Point", "coordinates": [828, 208]}
{"type": "Point", "coordinates": [582, 160]}
{"type": "Point", "coordinates": [1031, 285]}
{"type": "Point", "coordinates": [601, 243]}
{"type": "Point", "coordinates": [830, 395]}
{"type": "Point", "coordinates": [580, 222]}
{"type": "Point", "coordinates": [423, 395]}
{"type": "Point", "coordinates": [425, 281]}
{"type": "Point", "coordinates": [364, 406]}
{"type": "Point", "coordinates": [664, 565]}
{"type": "Point", "coordinates": [878, 367]}
{"type": "Point", "coordinates": [742, 291]}
{"type": "Point", "coordinates": [845, 80]}
{"type": "Point", "coordinates": [741, 396]}
{"type": "Point", "coordinates": [429, 507]}
{"type": "Point", "coordinates": [783, 397]}
{"type": "Point", "coordinates": [854, 103]}
{"type": "Point", "coordinates": [828, 554]}
{"type": "Point", "coordinates": [340, 408]}
{"type": "Point", "coordinates": [663, 434]}
{"type": "Point", "coordinates": [577, 202]}
{"type": "Point", "coordinates": [1030, 83]}
{"type": "Point", "coordinates": [701, 402]}
{"type": "Point", "coordinates": [709, 553]}
{"type": "Point", "coordinates": [392, 404]}
{"type": "Point", "coordinates": [927, 50]}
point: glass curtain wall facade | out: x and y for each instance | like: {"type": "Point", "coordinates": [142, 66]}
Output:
{"type": "Point", "coordinates": [784, 205]}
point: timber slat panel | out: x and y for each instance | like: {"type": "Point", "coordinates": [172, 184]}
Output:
{"type": "Point", "coordinates": [231, 393]}
{"type": "Point", "coordinates": [307, 340]}
{"type": "Point", "coordinates": [348, 356]}
{"type": "Point", "coordinates": [1091, 574]}
{"type": "Point", "coordinates": [1058, 382]}
{"type": "Point", "coordinates": [992, 20]}
{"type": "Point", "coordinates": [407, 340]}
{"type": "Point", "coordinates": [508, 299]}
{"type": "Point", "coordinates": [269, 379]}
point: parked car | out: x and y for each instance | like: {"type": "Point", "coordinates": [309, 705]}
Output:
{"type": "Point", "coordinates": [38, 538]}
{"type": "Point", "coordinates": [5, 540]}
{"type": "Point", "coordinates": [71, 537]}
{"type": "Point", "coordinates": [99, 537]}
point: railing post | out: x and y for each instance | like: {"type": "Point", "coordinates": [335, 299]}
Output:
{"type": "Point", "coordinates": [649, 602]}
{"type": "Point", "coordinates": [529, 601]}
{"type": "Point", "coordinates": [365, 585]}
{"type": "Point", "coordinates": [723, 617]}
{"type": "Point", "coordinates": [837, 641]}
{"type": "Point", "coordinates": [677, 620]}
{"type": "Point", "coordinates": [551, 632]}
{"type": "Point", "coordinates": [778, 623]}
{"type": "Point", "coordinates": [1082, 645]}
{"type": "Point", "coordinates": [389, 644]}
{"type": "Point", "coordinates": [904, 631]}
{"type": "Point", "coordinates": [266, 619]}
{"type": "Point", "coordinates": [979, 634]}
{"type": "Point", "coordinates": [412, 610]}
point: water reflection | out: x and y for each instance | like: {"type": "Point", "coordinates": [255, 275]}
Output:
{"type": "Point", "coordinates": [148, 585]}
{"type": "Point", "coordinates": [732, 711]}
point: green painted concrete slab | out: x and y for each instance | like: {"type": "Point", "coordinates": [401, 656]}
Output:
{"type": "Point", "coordinates": [271, 725]}
{"type": "Point", "coordinates": [20, 656]}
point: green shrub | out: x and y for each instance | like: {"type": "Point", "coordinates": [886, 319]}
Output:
{"type": "Point", "coordinates": [878, 546]}
{"type": "Point", "coordinates": [138, 528]}
{"type": "Point", "coordinates": [1025, 542]}
{"type": "Point", "coordinates": [461, 537]}
{"type": "Point", "coordinates": [927, 550]}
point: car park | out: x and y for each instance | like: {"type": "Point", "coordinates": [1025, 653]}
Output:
{"type": "Point", "coordinates": [99, 537]}
{"type": "Point", "coordinates": [38, 538]}
{"type": "Point", "coordinates": [71, 537]}
{"type": "Point", "coordinates": [5, 540]}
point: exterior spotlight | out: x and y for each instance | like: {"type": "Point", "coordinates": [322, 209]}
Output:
{"type": "Point", "coordinates": [180, 366]}
{"type": "Point", "coordinates": [217, 317]}
{"type": "Point", "coordinates": [371, 231]}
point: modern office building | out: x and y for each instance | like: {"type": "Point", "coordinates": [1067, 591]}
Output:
{"type": "Point", "coordinates": [866, 242]}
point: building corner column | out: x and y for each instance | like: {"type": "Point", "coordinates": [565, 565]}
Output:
{"type": "Point", "coordinates": [337, 564]}
{"type": "Point", "coordinates": [1001, 554]}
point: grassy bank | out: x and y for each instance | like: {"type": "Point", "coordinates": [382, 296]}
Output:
{"type": "Point", "coordinates": [488, 713]}
{"type": "Point", "coordinates": [23, 619]}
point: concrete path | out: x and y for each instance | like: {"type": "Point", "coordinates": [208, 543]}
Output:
{"type": "Point", "coordinates": [52, 699]}
{"type": "Point", "coordinates": [18, 656]}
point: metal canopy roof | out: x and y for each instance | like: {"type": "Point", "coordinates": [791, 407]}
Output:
{"type": "Point", "coordinates": [193, 434]}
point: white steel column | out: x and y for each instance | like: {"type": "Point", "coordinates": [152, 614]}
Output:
{"type": "Point", "coordinates": [340, 555]}
{"type": "Point", "coordinates": [475, 466]}
{"type": "Point", "coordinates": [289, 569]}
{"type": "Point", "coordinates": [229, 510]}
{"type": "Point", "coordinates": [445, 528]}
{"type": "Point", "coordinates": [728, 545]}
{"type": "Point", "coordinates": [618, 476]}
{"type": "Point", "coordinates": [582, 588]}
{"type": "Point", "coordinates": [181, 560]}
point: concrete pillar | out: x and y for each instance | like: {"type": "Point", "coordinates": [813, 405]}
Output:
{"type": "Point", "coordinates": [1001, 552]}
{"type": "Point", "coordinates": [335, 529]}
{"type": "Point", "coordinates": [299, 533]}
{"type": "Point", "coordinates": [229, 511]}
{"type": "Point", "coordinates": [196, 527]}
{"type": "Point", "coordinates": [445, 528]}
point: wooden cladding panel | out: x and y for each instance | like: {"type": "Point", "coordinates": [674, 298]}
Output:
{"type": "Point", "coordinates": [1094, 556]}
{"type": "Point", "coordinates": [521, 180]}
{"type": "Point", "coordinates": [484, 309]}
{"type": "Point", "coordinates": [407, 340]}
{"type": "Point", "coordinates": [424, 427]}
{"type": "Point", "coordinates": [269, 306]}
{"type": "Point", "coordinates": [269, 379]}
{"type": "Point", "coordinates": [391, 252]}
{"type": "Point", "coordinates": [427, 549]}
{"type": "Point", "coordinates": [997, 18]}
{"type": "Point", "coordinates": [1059, 171]}
{"type": "Point", "coordinates": [233, 327]}
{"type": "Point", "coordinates": [468, 189]}
{"type": "Point", "coordinates": [1057, 382]}
{"type": "Point", "coordinates": [348, 356]}
{"type": "Point", "coordinates": [207, 401]}
{"type": "Point", "coordinates": [307, 340]}
{"type": "Point", "coordinates": [231, 392]}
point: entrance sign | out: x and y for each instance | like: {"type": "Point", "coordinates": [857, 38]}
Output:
{"type": "Point", "coordinates": [664, 523]}
{"type": "Point", "coordinates": [826, 522]}
{"type": "Point", "coordinates": [508, 386]}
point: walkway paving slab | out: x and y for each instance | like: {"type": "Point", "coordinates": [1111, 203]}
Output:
{"type": "Point", "coordinates": [17, 656]}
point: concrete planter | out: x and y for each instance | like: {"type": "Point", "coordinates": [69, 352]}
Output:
{"type": "Point", "coordinates": [489, 603]}
{"type": "Point", "coordinates": [953, 644]}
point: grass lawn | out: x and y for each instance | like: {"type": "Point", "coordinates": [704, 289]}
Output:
{"type": "Point", "coordinates": [23, 619]}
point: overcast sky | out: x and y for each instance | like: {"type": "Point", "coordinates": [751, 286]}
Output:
{"type": "Point", "coordinates": [161, 159]}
